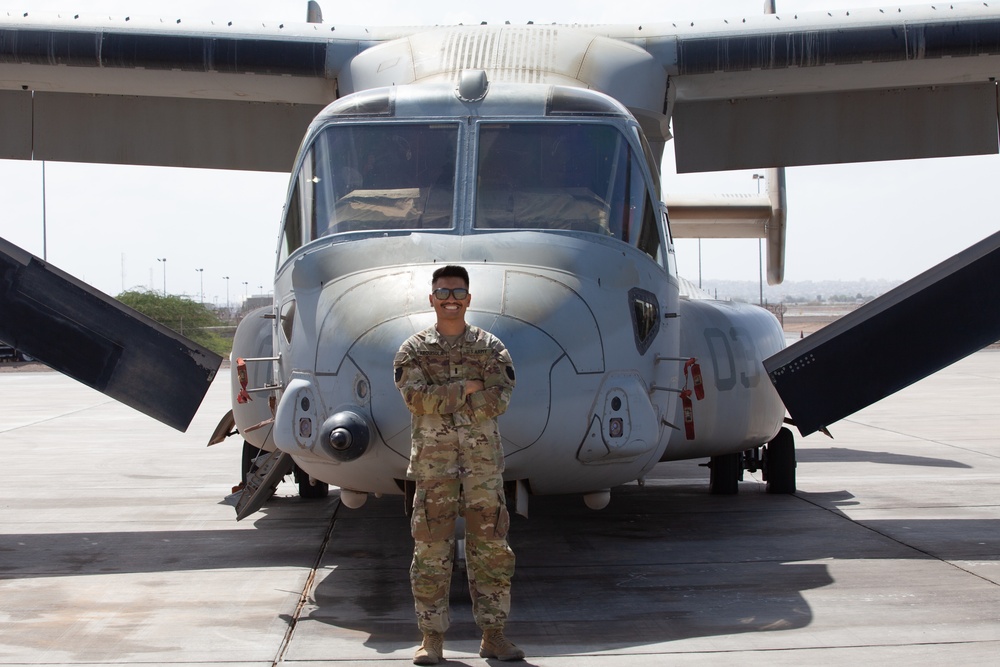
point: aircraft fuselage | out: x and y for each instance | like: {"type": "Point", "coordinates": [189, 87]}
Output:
{"type": "Point", "coordinates": [550, 197]}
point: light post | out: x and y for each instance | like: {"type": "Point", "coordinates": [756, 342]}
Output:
{"type": "Point", "coordinates": [760, 248]}
{"type": "Point", "coordinates": [45, 233]}
{"type": "Point", "coordinates": [164, 260]}
{"type": "Point", "coordinates": [246, 294]}
{"type": "Point", "coordinates": [201, 278]}
{"type": "Point", "coordinates": [699, 263]}
{"type": "Point", "coordinates": [228, 311]}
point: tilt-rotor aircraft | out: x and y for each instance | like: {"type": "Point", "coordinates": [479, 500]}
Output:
{"type": "Point", "coordinates": [530, 154]}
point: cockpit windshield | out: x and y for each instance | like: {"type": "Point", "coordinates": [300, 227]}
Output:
{"type": "Point", "coordinates": [381, 178]}
{"type": "Point", "coordinates": [548, 176]}
{"type": "Point", "coordinates": [374, 177]}
{"type": "Point", "coordinates": [564, 176]}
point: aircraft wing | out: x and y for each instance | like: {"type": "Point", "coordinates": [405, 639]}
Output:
{"type": "Point", "coordinates": [751, 92]}
{"type": "Point", "coordinates": [844, 86]}
{"type": "Point", "coordinates": [124, 90]}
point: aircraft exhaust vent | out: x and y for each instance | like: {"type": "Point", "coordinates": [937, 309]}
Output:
{"type": "Point", "coordinates": [514, 55]}
{"type": "Point", "coordinates": [528, 54]}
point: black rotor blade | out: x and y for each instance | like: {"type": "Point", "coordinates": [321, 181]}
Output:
{"type": "Point", "coordinates": [91, 337]}
{"type": "Point", "coordinates": [925, 324]}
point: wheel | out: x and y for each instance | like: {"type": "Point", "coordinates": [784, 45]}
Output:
{"type": "Point", "coordinates": [409, 491]}
{"type": "Point", "coordinates": [724, 479]}
{"type": "Point", "coordinates": [249, 454]}
{"type": "Point", "coordinates": [779, 463]}
{"type": "Point", "coordinates": [307, 490]}
{"type": "Point", "coordinates": [458, 557]}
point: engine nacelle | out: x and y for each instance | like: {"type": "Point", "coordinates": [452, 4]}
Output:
{"type": "Point", "coordinates": [740, 408]}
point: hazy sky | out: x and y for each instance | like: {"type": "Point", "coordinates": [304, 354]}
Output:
{"type": "Point", "coordinates": [109, 225]}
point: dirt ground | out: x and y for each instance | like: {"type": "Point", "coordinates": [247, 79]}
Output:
{"type": "Point", "coordinates": [22, 367]}
{"type": "Point", "coordinates": [805, 324]}
{"type": "Point", "coordinates": [808, 319]}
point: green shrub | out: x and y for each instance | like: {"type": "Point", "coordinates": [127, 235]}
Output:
{"type": "Point", "coordinates": [186, 317]}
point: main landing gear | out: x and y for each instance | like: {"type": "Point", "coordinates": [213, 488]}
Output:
{"type": "Point", "coordinates": [776, 461]}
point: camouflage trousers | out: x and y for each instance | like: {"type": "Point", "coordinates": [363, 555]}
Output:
{"type": "Point", "coordinates": [436, 507]}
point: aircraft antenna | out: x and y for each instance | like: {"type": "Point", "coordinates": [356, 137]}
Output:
{"type": "Point", "coordinates": [314, 13]}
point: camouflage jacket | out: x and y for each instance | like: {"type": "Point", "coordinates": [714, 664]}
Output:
{"type": "Point", "coordinates": [453, 435]}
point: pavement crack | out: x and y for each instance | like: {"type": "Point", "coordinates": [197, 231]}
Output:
{"type": "Point", "coordinates": [907, 434]}
{"type": "Point", "coordinates": [53, 418]}
{"type": "Point", "coordinates": [306, 589]}
{"type": "Point", "coordinates": [912, 547]}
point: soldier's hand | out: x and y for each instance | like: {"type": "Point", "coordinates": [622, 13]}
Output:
{"type": "Point", "coordinates": [472, 386]}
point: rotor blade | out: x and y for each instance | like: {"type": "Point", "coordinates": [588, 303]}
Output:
{"type": "Point", "coordinates": [87, 335]}
{"type": "Point", "coordinates": [932, 321]}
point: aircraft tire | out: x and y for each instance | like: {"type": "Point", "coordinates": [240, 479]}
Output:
{"type": "Point", "coordinates": [779, 463]}
{"type": "Point", "coordinates": [307, 490]}
{"type": "Point", "coordinates": [724, 478]}
{"type": "Point", "coordinates": [249, 454]}
{"type": "Point", "coordinates": [458, 557]}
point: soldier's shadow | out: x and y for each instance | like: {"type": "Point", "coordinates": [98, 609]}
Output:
{"type": "Point", "coordinates": [586, 581]}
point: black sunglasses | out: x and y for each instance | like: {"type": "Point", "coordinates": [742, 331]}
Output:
{"type": "Point", "coordinates": [442, 293]}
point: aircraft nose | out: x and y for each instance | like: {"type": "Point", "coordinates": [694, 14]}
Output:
{"type": "Point", "coordinates": [524, 303]}
{"type": "Point", "coordinates": [548, 328]}
{"type": "Point", "coordinates": [535, 354]}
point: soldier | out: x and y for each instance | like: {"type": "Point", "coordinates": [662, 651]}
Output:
{"type": "Point", "coordinates": [456, 379]}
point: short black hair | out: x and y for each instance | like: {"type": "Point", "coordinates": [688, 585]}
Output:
{"type": "Point", "coordinates": [451, 271]}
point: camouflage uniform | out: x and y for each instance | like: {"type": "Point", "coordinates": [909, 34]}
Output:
{"type": "Point", "coordinates": [457, 461]}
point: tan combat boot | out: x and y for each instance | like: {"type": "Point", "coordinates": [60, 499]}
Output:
{"type": "Point", "coordinates": [431, 649]}
{"type": "Point", "coordinates": [495, 645]}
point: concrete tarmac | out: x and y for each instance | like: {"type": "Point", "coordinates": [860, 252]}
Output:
{"type": "Point", "coordinates": [116, 547]}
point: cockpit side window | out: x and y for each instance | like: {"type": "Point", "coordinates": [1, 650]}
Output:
{"type": "Point", "coordinates": [292, 233]}
{"type": "Point", "coordinates": [642, 228]}
{"type": "Point", "coordinates": [565, 176]}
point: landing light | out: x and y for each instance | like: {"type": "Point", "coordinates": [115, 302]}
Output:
{"type": "Point", "coordinates": [597, 500]}
{"type": "Point", "coordinates": [353, 499]}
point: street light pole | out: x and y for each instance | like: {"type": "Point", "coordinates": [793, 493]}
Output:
{"type": "Point", "coordinates": [699, 263]}
{"type": "Point", "coordinates": [228, 311]}
{"type": "Point", "coordinates": [164, 260]}
{"type": "Point", "coordinates": [201, 276]}
{"type": "Point", "coordinates": [45, 231]}
{"type": "Point", "coordinates": [760, 248]}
